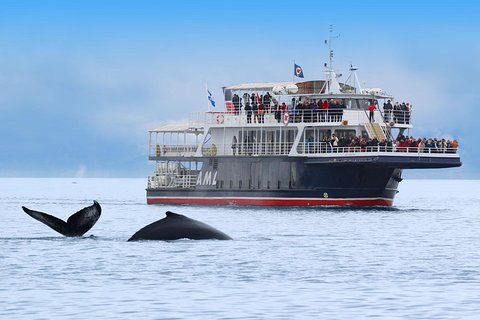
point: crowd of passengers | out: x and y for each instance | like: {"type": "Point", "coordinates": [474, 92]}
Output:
{"type": "Point", "coordinates": [310, 110]}
{"type": "Point", "coordinates": [362, 144]}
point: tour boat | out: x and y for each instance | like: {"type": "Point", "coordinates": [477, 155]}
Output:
{"type": "Point", "coordinates": [305, 143]}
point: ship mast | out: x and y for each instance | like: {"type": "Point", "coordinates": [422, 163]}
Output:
{"type": "Point", "coordinates": [331, 84]}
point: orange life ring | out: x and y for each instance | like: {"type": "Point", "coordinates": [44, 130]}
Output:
{"type": "Point", "coordinates": [286, 117]}
{"type": "Point", "coordinates": [220, 118]}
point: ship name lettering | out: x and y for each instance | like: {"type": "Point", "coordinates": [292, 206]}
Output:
{"type": "Point", "coordinates": [205, 178]}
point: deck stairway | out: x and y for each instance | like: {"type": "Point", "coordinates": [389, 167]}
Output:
{"type": "Point", "coordinates": [374, 130]}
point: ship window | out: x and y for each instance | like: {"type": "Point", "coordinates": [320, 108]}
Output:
{"type": "Point", "coordinates": [345, 133]}
{"type": "Point", "coordinates": [221, 184]}
{"type": "Point", "coordinates": [231, 184]}
{"type": "Point", "coordinates": [240, 184]}
{"type": "Point", "coordinates": [249, 183]}
{"type": "Point", "coordinates": [217, 184]}
{"type": "Point", "coordinates": [363, 104]}
{"type": "Point", "coordinates": [278, 184]}
{"type": "Point", "coordinates": [268, 184]}
{"type": "Point", "coordinates": [259, 183]}
{"type": "Point", "coordinates": [289, 184]}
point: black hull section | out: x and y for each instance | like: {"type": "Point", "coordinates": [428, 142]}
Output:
{"type": "Point", "coordinates": [286, 181]}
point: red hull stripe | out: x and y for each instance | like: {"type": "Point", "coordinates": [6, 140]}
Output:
{"type": "Point", "coordinates": [274, 202]}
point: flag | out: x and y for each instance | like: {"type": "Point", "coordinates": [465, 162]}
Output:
{"type": "Point", "coordinates": [297, 71]}
{"type": "Point", "coordinates": [210, 98]}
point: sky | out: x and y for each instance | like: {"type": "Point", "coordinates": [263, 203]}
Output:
{"type": "Point", "coordinates": [82, 82]}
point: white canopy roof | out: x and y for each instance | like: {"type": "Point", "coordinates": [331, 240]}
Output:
{"type": "Point", "coordinates": [259, 86]}
{"type": "Point", "coordinates": [177, 127]}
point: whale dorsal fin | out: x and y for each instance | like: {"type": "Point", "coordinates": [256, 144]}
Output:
{"type": "Point", "coordinates": [171, 214]}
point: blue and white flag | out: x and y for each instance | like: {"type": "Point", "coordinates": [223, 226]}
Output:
{"type": "Point", "coordinates": [210, 98]}
{"type": "Point", "coordinates": [297, 71]}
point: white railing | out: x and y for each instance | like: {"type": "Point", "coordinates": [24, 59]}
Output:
{"type": "Point", "coordinates": [172, 150]}
{"type": "Point", "coordinates": [166, 181]}
{"type": "Point", "coordinates": [327, 147]}
{"type": "Point", "coordinates": [284, 148]}
{"type": "Point", "coordinates": [336, 116]}
{"type": "Point", "coordinates": [248, 149]}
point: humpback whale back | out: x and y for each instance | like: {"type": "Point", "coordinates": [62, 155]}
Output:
{"type": "Point", "coordinates": [176, 226]}
{"type": "Point", "coordinates": [78, 223]}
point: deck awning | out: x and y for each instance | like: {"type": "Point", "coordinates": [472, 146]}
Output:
{"type": "Point", "coordinates": [259, 86]}
{"type": "Point", "coordinates": [178, 128]}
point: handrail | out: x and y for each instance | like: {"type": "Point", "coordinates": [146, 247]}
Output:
{"type": "Point", "coordinates": [335, 116]}
{"type": "Point", "coordinates": [283, 148]}
{"type": "Point", "coordinates": [327, 147]}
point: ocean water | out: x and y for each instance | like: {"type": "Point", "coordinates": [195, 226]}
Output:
{"type": "Point", "coordinates": [417, 260]}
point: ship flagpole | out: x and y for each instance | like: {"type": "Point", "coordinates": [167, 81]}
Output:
{"type": "Point", "coordinates": [293, 75]}
{"type": "Point", "coordinates": [208, 100]}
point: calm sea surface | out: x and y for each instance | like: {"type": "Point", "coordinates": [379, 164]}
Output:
{"type": "Point", "coordinates": [418, 260]}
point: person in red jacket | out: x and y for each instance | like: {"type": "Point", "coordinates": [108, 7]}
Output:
{"type": "Point", "coordinates": [372, 108]}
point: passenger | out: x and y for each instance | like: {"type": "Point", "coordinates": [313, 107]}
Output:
{"type": "Point", "coordinates": [397, 112]}
{"type": "Point", "coordinates": [421, 145]}
{"type": "Point", "coordinates": [334, 142]}
{"type": "Point", "coordinates": [372, 108]}
{"type": "Point", "coordinates": [248, 112]}
{"type": "Point", "coordinates": [277, 113]}
{"type": "Point", "coordinates": [261, 113]}
{"type": "Point", "coordinates": [325, 107]}
{"type": "Point", "coordinates": [442, 146]}
{"type": "Point", "coordinates": [382, 144]}
{"type": "Point", "coordinates": [407, 111]}
{"type": "Point", "coordinates": [236, 103]}
{"type": "Point", "coordinates": [325, 145]}
{"type": "Point", "coordinates": [253, 99]}
{"type": "Point", "coordinates": [387, 109]}
{"type": "Point", "coordinates": [283, 108]}
{"type": "Point", "coordinates": [234, 144]}
{"type": "Point", "coordinates": [298, 112]}
{"type": "Point", "coordinates": [455, 145]}
{"type": "Point", "coordinates": [246, 98]}
{"type": "Point", "coordinates": [255, 111]}
{"type": "Point", "coordinates": [266, 100]}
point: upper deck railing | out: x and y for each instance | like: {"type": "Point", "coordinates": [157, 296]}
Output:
{"type": "Point", "coordinates": [395, 118]}
{"type": "Point", "coordinates": [303, 149]}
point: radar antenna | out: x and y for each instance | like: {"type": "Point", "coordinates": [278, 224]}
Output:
{"type": "Point", "coordinates": [331, 84]}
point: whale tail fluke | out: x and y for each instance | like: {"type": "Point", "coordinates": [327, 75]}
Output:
{"type": "Point", "coordinates": [53, 222]}
{"type": "Point", "coordinates": [77, 225]}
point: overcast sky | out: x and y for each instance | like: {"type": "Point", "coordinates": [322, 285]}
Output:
{"type": "Point", "coordinates": [81, 82]}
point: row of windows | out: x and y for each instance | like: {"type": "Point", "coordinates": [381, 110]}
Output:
{"type": "Point", "coordinates": [221, 185]}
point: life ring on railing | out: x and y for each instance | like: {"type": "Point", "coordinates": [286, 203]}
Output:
{"type": "Point", "coordinates": [391, 124]}
{"type": "Point", "coordinates": [286, 118]}
{"type": "Point", "coordinates": [220, 118]}
{"type": "Point", "coordinates": [345, 123]}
